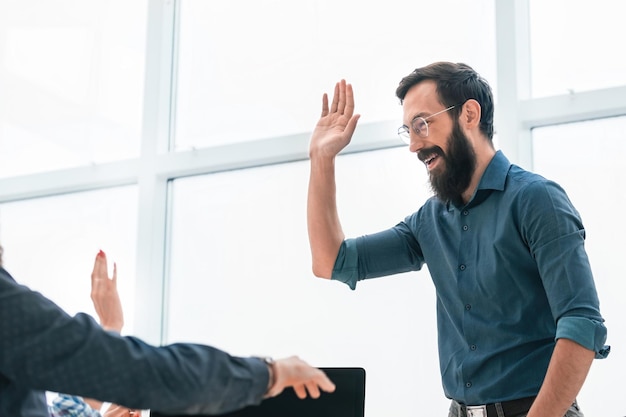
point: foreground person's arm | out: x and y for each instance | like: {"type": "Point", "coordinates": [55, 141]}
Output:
{"type": "Point", "coordinates": [42, 348]}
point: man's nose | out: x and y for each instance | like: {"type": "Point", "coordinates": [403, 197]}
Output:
{"type": "Point", "coordinates": [417, 142]}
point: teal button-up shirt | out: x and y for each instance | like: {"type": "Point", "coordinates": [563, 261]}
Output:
{"type": "Point", "coordinates": [511, 276]}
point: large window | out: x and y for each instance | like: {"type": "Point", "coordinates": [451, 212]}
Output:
{"type": "Point", "coordinates": [210, 237]}
{"type": "Point", "coordinates": [71, 83]}
{"type": "Point", "coordinates": [571, 44]}
{"type": "Point", "coordinates": [50, 245]}
{"type": "Point", "coordinates": [254, 70]}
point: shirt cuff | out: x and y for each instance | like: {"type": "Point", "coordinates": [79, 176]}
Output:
{"type": "Point", "coordinates": [259, 389]}
{"type": "Point", "coordinates": [346, 268]}
{"type": "Point", "coordinates": [590, 334]}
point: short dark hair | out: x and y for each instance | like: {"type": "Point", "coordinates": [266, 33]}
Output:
{"type": "Point", "coordinates": [456, 83]}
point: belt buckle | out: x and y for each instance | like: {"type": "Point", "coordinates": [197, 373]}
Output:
{"type": "Point", "coordinates": [476, 411]}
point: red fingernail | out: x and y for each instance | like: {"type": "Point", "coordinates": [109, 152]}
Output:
{"type": "Point", "coordinates": [100, 253]}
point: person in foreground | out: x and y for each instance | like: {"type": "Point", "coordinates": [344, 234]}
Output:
{"type": "Point", "coordinates": [517, 309]}
{"type": "Point", "coordinates": [43, 348]}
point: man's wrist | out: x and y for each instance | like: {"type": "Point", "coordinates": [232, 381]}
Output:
{"type": "Point", "coordinates": [271, 369]}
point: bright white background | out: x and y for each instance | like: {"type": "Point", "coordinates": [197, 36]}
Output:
{"type": "Point", "coordinates": [173, 135]}
{"type": "Point", "coordinates": [265, 64]}
{"type": "Point", "coordinates": [71, 83]}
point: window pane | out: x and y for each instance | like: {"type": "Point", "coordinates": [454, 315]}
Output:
{"type": "Point", "coordinates": [241, 276]}
{"type": "Point", "coordinates": [575, 44]}
{"type": "Point", "coordinates": [71, 76]}
{"type": "Point", "coordinates": [249, 70]}
{"type": "Point", "coordinates": [50, 244]}
{"type": "Point", "coordinates": [586, 158]}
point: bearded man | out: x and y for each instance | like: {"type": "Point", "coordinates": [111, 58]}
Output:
{"type": "Point", "coordinates": [517, 309]}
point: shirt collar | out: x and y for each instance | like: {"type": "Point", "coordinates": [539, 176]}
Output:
{"type": "Point", "coordinates": [494, 178]}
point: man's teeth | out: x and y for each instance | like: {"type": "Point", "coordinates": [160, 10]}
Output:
{"type": "Point", "coordinates": [428, 160]}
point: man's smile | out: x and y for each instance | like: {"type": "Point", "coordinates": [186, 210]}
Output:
{"type": "Point", "coordinates": [429, 159]}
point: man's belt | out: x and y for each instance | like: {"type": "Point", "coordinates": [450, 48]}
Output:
{"type": "Point", "coordinates": [510, 408]}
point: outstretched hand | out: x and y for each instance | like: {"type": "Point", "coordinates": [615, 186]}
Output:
{"type": "Point", "coordinates": [294, 372]}
{"type": "Point", "coordinates": [104, 295]}
{"type": "Point", "coordinates": [335, 128]}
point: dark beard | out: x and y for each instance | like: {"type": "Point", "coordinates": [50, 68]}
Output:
{"type": "Point", "coordinates": [460, 164]}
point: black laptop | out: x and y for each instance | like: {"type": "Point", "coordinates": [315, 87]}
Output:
{"type": "Point", "coordinates": [348, 400]}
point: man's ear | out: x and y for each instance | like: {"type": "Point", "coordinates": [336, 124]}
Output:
{"type": "Point", "coordinates": [470, 116]}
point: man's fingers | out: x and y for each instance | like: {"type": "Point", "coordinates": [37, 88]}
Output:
{"type": "Point", "coordinates": [313, 389]}
{"type": "Point", "coordinates": [327, 385]}
{"type": "Point", "coordinates": [325, 105]}
{"type": "Point", "coordinates": [348, 109]}
{"type": "Point", "coordinates": [351, 126]}
{"type": "Point", "coordinates": [341, 106]}
{"type": "Point", "coordinates": [335, 103]}
{"type": "Point", "coordinates": [300, 391]}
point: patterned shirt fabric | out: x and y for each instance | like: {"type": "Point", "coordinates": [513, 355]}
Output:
{"type": "Point", "coordinates": [511, 276]}
{"type": "Point", "coordinates": [71, 406]}
{"type": "Point", "coordinates": [42, 348]}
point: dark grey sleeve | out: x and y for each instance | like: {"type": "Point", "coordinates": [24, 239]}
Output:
{"type": "Point", "coordinates": [43, 348]}
{"type": "Point", "coordinates": [17, 401]}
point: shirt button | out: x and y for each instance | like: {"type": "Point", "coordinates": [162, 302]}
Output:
{"type": "Point", "coordinates": [465, 212]}
{"type": "Point", "coordinates": [465, 227]}
{"type": "Point", "coordinates": [473, 347]}
{"type": "Point", "coordinates": [462, 267]}
{"type": "Point", "coordinates": [468, 385]}
{"type": "Point", "coordinates": [468, 307]}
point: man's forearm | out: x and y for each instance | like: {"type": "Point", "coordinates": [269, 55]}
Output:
{"type": "Point", "coordinates": [325, 232]}
{"type": "Point", "coordinates": [566, 374]}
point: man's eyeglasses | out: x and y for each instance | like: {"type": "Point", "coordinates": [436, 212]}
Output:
{"type": "Point", "coordinates": [419, 125]}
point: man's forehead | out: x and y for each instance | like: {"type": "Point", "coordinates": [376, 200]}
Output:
{"type": "Point", "coordinates": [426, 92]}
{"type": "Point", "coordinates": [421, 99]}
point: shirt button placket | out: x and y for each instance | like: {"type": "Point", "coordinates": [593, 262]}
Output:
{"type": "Point", "coordinates": [465, 228]}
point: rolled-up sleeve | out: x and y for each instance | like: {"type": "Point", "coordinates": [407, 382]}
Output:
{"type": "Point", "coordinates": [388, 252]}
{"type": "Point", "coordinates": [588, 333]}
{"type": "Point", "coordinates": [556, 239]}
{"type": "Point", "coordinates": [346, 267]}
